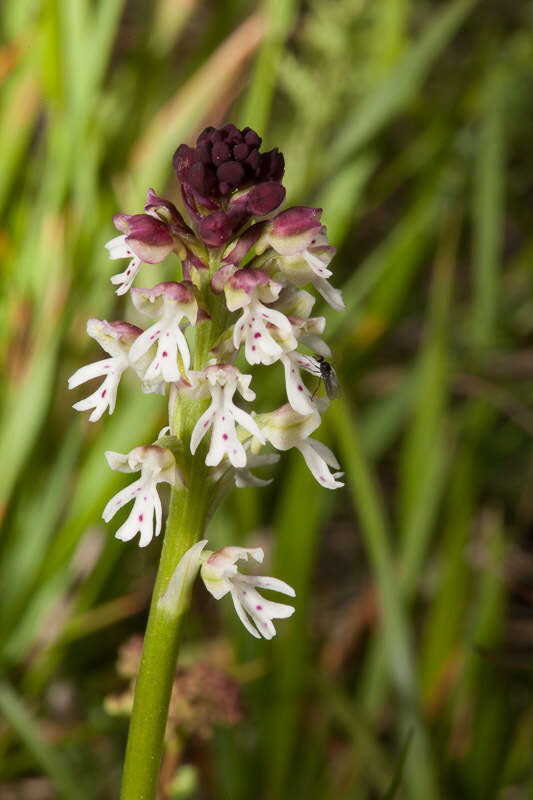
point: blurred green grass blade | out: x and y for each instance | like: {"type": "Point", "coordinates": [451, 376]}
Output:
{"type": "Point", "coordinates": [40, 605]}
{"type": "Point", "coordinates": [170, 18]}
{"type": "Point", "coordinates": [340, 196]}
{"type": "Point", "coordinates": [397, 637]}
{"type": "Point", "coordinates": [446, 613]}
{"type": "Point", "coordinates": [53, 765]}
{"type": "Point", "coordinates": [37, 516]}
{"type": "Point", "coordinates": [75, 31]}
{"type": "Point", "coordinates": [380, 106]}
{"type": "Point", "coordinates": [392, 792]}
{"type": "Point", "coordinates": [294, 559]}
{"type": "Point", "coordinates": [18, 112]}
{"type": "Point", "coordinates": [106, 20]}
{"type": "Point", "coordinates": [25, 407]}
{"type": "Point", "coordinates": [420, 524]}
{"type": "Point", "coordinates": [488, 214]}
{"type": "Point", "coordinates": [434, 377]}
{"type": "Point", "coordinates": [227, 756]}
{"type": "Point", "coordinates": [389, 35]}
{"type": "Point", "coordinates": [369, 510]}
{"type": "Point", "coordinates": [383, 420]}
{"type": "Point", "coordinates": [369, 754]}
{"type": "Point", "coordinates": [279, 16]}
{"type": "Point", "coordinates": [481, 674]}
{"type": "Point", "coordinates": [404, 248]}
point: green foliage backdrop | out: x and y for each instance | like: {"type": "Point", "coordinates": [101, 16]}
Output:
{"type": "Point", "coordinates": [406, 669]}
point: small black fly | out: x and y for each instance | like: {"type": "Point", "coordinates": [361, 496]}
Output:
{"type": "Point", "coordinates": [327, 374]}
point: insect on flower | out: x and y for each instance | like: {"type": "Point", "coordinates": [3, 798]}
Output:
{"type": "Point", "coordinates": [327, 374]}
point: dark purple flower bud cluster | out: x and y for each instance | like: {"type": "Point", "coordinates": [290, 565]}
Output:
{"type": "Point", "coordinates": [225, 173]}
{"type": "Point", "coordinates": [224, 160]}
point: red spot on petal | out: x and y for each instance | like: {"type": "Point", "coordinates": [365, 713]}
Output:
{"type": "Point", "coordinates": [253, 347]}
{"type": "Point", "coordinates": [164, 354]}
{"type": "Point", "coordinates": [104, 393]}
{"type": "Point", "coordinates": [223, 418]}
{"type": "Point", "coordinates": [322, 478]}
{"type": "Point", "coordinates": [257, 335]}
{"type": "Point", "coordinates": [259, 608]}
{"type": "Point", "coordinates": [234, 452]}
{"type": "Point", "coordinates": [300, 388]}
{"type": "Point", "coordinates": [145, 498]}
{"type": "Point", "coordinates": [128, 271]}
{"type": "Point", "coordinates": [225, 436]}
{"type": "Point", "coordinates": [141, 517]}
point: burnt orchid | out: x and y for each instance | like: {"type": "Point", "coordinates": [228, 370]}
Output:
{"type": "Point", "coordinates": [237, 302]}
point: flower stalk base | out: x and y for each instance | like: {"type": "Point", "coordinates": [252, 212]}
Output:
{"type": "Point", "coordinates": [185, 525]}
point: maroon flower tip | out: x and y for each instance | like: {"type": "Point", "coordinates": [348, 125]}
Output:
{"type": "Point", "coordinates": [181, 292]}
{"type": "Point", "coordinates": [220, 152]}
{"type": "Point", "coordinates": [120, 221]}
{"type": "Point", "coordinates": [296, 220]}
{"type": "Point", "coordinates": [123, 329]}
{"type": "Point", "coordinates": [183, 158]}
{"type": "Point", "coordinates": [221, 277]}
{"type": "Point", "coordinates": [244, 244]}
{"type": "Point", "coordinates": [165, 210]}
{"type": "Point", "coordinates": [216, 229]}
{"type": "Point", "coordinates": [272, 165]}
{"type": "Point", "coordinates": [231, 172]}
{"type": "Point", "coordinates": [148, 230]}
{"type": "Point", "coordinates": [265, 197]}
{"type": "Point", "coordinates": [248, 279]}
{"type": "Point", "coordinates": [201, 179]}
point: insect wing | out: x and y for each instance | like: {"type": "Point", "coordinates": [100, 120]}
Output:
{"type": "Point", "coordinates": [331, 383]}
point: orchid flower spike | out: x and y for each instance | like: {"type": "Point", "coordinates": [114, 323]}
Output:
{"type": "Point", "coordinates": [156, 465]}
{"type": "Point", "coordinates": [220, 576]}
{"type": "Point", "coordinates": [244, 262]}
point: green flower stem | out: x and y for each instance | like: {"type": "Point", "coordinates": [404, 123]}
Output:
{"type": "Point", "coordinates": [185, 525]}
